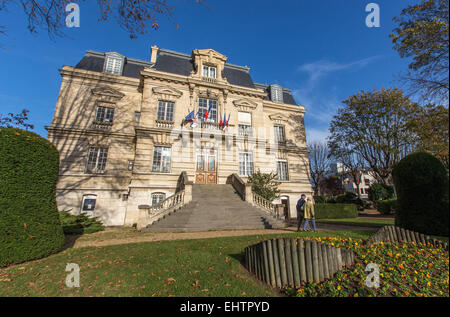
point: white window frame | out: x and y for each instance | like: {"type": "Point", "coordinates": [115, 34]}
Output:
{"type": "Point", "coordinates": [245, 129]}
{"type": "Point", "coordinates": [96, 160]}
{"type": "Point", "coordinates": [203, 105]}
{"type": "Point", "coordinates": [246, 164]}
{"type": "Point", "coordinates": [165, 110]}
{"type": "Point", "coordinates": [114, 63]}
{"type": "Point", "coordinates": [209, 71]}
{"type": "Point", "coordinates": [276, 130]}
{"type": "Point", "coordinates": [276, 93]}
{"type": "Point", "coordinates": [161, 164]}
{"type": "Point", "coordinates": [283, 175]}
{"type": "Point", "coordinates": [104, 114]}
{"type": "Point", "coordinates": [157, 197]}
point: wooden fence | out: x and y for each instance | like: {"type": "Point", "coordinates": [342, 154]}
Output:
{"type": "Point", "coordinates": [397, 234]}
{"type": "Point", "coordinates": [290, 262]}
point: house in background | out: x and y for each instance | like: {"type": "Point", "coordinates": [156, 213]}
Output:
{"type": "Point", "coordinates": [121, 130]}
{"type": "Point", "coordinates": [365, 180]}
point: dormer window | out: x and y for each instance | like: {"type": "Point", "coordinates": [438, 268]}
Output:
{"type": "Point", "coordinates": [113, 63]}
{"type": "Point", "coordinates": [276, 93]}
{"type": "Point", "coordinates": [209, 71]}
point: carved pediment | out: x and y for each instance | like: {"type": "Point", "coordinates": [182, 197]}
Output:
{"type": "Point", "coordinates": [245, 104]}
{"type": "Point", "coordinates": [278, 118]}
{"type": "Point", "coordinates": [107, 92]}
{"type": "Point", "coordinates": [211, 56]}
{"type": "Point", "coordinates": [167, 92]}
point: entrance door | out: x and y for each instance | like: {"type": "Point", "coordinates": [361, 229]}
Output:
{"type": "Point", "coordinates": [206, 168]}
{"type": "Point", "coordinates": [285, 202]}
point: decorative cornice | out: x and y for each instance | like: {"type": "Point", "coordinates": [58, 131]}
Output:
{"type": "Point", "coordinates": [108, 92]}
{"type": "Point", "coordinates": [245, 104]}
{"type": "Point", "coordinates": [278, 118]}
{"type": "Point", "coordinates": [167, 92]}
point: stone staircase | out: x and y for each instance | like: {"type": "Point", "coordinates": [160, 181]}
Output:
{"type": "Point", "coordinates": [215, 207]}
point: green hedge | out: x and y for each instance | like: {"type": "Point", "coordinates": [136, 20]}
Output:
{"type": "Point", "coordinates": [421, 182]}
{"type": "Point", "coordinates": [387, 207]}
{"type": "Point", "coordinates": [29, 223]}
{"type": "Point", "coordinates": [319, 199]}
{"type": "Point", "coordinates": [79, 224]}
{"type": "Point", "coordinates": [334, 211]}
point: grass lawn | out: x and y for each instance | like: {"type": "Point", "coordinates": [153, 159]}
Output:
{"type": "Point", "coordinates": [201, 267]}
{"type": "Point", "coordinates": [359, 222]}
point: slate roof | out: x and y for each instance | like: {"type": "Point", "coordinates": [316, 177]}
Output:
{"type": "Point", "coordinates": [180, 64]}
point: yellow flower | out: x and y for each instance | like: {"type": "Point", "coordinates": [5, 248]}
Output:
{"type": "Point", "coordinates": [339, 288]}
{"type": "Point", "coordinates": [355, 295]}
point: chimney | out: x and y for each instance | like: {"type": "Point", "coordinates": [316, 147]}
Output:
{"type": "Point", "coordinates": [154, 49]}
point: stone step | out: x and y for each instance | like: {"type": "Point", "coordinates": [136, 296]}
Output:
{"type": "Point", "coordinates": [215, 207]}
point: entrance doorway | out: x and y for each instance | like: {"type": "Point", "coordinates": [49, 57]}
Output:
{"type": "Point", "coordinates": [285, 202]}
{"type": "Point", "coordinates": [206, 167]}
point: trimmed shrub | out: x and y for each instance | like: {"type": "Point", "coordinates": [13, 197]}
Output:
{"type": "Point", "coordinates": [319, 199]}
{"type": "Point", "coordinates": [29, 223]}
{"type": "Point", "coordinates": [387, 207]}
{"type": "Point", "coordinates": [79, 224]}
{"type": "Point", "coordinates": [347, 198]}
{"type": "Point", "coordinates": [421, 182]}
{"type": "Point", "coordinates": [334, 211]}
{"type": "Point", "coordinates": [380, 192]}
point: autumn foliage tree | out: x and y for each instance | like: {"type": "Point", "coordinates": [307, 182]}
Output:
{"type": "Point", "coordinates": [375, 125]}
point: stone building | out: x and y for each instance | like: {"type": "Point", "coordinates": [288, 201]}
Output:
{"type": "Point", "coordinates": [366, 179]}
{"type": "Point", "coordinates": [119, 125]}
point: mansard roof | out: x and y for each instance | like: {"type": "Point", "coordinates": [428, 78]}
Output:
{"type": "Point", "coordinates": [181, 64]}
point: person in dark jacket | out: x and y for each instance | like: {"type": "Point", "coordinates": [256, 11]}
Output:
{"type": "Point", "coordinates": [300, 213]}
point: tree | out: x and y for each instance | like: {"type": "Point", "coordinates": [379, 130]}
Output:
{"type": "Point", "coordinates": [16, 120]}
{"type": "Point", "coordinates": [422, 34]}
{"type": "Point", "coordinates": [319, 164]}
{"type": "Point", "coordinates": [332, 185]}
{"type": "Point", "coordinates": [375, 125]}
{"type": "Point", "coordinates": [135, 17]}
{"type": "Point", "coordinates": [431, 130]}
{"type": "Point", "coordinates": [352, 162]}
{"type": "Point", "coordinates": [265, 184]}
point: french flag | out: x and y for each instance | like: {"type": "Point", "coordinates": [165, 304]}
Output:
{"type": "Point", "coordinates": [208, 112]}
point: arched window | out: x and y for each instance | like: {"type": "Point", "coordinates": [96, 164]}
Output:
{"type": "Point", "coordinates": [157, 198]}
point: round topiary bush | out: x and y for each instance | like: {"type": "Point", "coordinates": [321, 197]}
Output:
{"type": "Point", "coordinates": [30, 227]}
{"type": "Point", "coordinates": [421, 182]}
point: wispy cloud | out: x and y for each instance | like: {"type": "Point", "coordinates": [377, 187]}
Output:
{"type": "Point", "coordinates": [321, 102]}
{"type": "Point", "coordinates": [321, 68]}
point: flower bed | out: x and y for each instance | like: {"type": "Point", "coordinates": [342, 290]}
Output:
{"type": "Point", "coordinates": [406, 269]}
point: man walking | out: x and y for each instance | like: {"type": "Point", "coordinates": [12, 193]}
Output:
{"type": "Point", "coordinates": [300, 213]}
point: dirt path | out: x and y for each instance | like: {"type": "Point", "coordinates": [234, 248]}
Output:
{"type": "Point", "coordinates": [114, 236]}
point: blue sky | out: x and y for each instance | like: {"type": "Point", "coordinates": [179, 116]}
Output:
{"type": "Point", "coordinates": [321, 50]}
